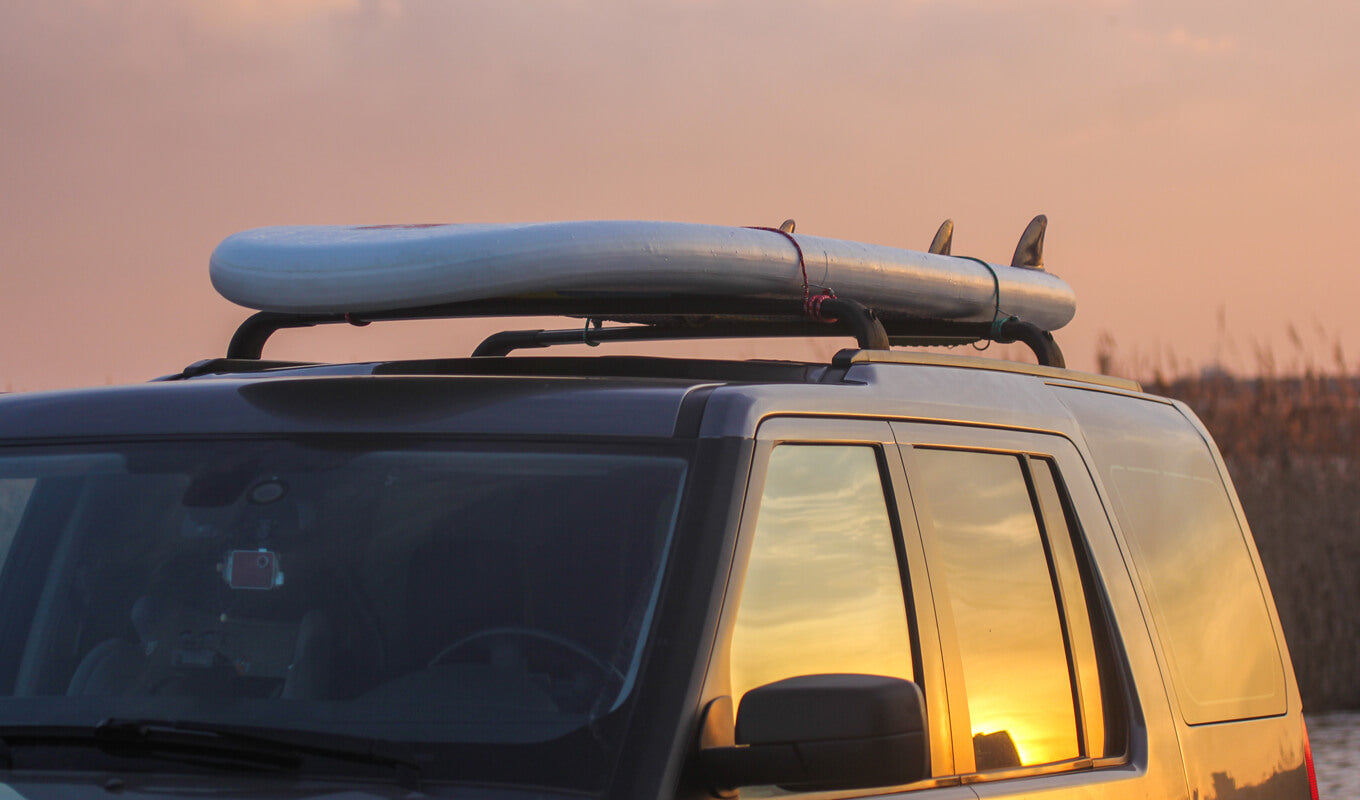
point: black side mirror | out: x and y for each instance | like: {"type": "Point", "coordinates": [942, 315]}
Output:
{"type": "Point", "coordinates": [819, 732]}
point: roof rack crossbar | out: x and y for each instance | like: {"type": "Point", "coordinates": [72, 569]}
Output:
{"type": "Point", "coordinates": [1046, 351]}
{"type": "Point", "coordinates": [675, 318]}
{"type": "Point", "coordinates": [250, 337]}
{"type": "Point", "coordinates": [506, 342]}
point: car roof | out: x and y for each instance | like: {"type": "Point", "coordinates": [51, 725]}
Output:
{"type": "Point", "coordinates": [603, 396]}
{"type": "Point", "coordinates": [300, 405]}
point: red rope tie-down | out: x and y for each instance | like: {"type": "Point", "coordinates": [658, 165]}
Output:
{"type": "Point", "coordinates": [812, 303]}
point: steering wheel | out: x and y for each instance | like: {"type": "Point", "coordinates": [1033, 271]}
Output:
{"type": "Point", "coordinates": [561, 641]}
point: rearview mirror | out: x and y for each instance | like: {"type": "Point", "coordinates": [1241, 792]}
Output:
{"type": "Point", "coordinates": [819, 732]}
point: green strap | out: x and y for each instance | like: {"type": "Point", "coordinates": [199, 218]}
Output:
{"type": "Point", "coordinates": [997, 318]}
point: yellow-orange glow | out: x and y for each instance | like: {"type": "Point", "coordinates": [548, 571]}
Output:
{"type": "Point", "coordinates": [990, 552]}
{"type": "Point", "coordinates": [822, 592]}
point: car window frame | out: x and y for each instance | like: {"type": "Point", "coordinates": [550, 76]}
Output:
{"type": "Point", "coordinates": [1071, 477]}
{"type": "Point", "coordinates": [928, 666]}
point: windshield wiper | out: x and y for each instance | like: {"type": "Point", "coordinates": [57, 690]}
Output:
{"type": "Point", "coordinates": [282, 748]}
{"type": "Point", "coordinates": [192, 742]}
{"type": "Point", "coordinates": [214, 745]}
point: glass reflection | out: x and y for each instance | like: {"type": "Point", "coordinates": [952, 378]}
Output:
{"type": "Point", "coordinates": [822, 592]}
{"type": "Point", "coordinates": [1224, 651]}
{"type": "Point", "coordinates": [1080, 639]}
{"type": "Point", "coordinates": [1191, 555]}
{"type": "Point", "coordinates": [457, 601]}
{"type": "Point", "coordinates": [13, 497]}
{"type": "Point", "coordinates": [1010, 638]}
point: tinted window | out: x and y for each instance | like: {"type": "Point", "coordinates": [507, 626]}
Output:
{"type": "Point", "coordinates": [823, 593]}
{"type": "Point", "coordinates": [1191, 555]}
{"type": "Point", "coordinates": [481, 607]}
{"type": "Point", "coordinates": [987, 544]}
{"type": "Point", "coordinates": [1079, 607]}
{"type": "Point", "coordinates": [13, 498]}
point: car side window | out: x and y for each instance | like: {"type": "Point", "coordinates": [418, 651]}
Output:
{"type": "Point", "coordinates": [823, 590]}
{"type": "Point", "coordinates": [1191, 551]}
{"type": "Point", "coordinates": [1003, 591]}
{"type": "Point", "coordinates": [1090, 641]}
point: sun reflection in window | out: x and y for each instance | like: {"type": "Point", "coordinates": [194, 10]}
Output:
{"type": "Point", "coordinates": [991, 553]}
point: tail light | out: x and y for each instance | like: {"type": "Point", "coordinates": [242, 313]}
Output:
{"type": "Point", "coordinates": [1308, 759]}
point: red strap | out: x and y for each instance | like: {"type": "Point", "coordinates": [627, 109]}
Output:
{"type": "Point", "coordinates": [812, 304]}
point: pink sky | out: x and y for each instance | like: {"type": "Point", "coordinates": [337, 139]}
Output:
{"type": "Point", "coordinates": [1197, 159]}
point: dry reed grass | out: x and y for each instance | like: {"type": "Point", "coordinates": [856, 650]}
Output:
{"type": "Point", "coordinates": [1292, 444]}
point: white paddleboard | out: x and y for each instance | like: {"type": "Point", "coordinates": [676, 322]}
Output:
{"type": "Point", "coordinates": [351, 269]}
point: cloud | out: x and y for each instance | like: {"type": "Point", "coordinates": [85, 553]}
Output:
{"type": "Point", "coordinates": [162, 125]}
{"type": "Point", "coordinates": [1179, 38]}
{"type": "Point", "coordinates": [252, 15]}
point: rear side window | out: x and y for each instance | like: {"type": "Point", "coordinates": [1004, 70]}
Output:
{"type": "Point", "coordinates": [1003, 597]}
{"type": "Point", "coordinates": [1191, 554]}
{"type": "Point", "coordinates": [1087, 638]}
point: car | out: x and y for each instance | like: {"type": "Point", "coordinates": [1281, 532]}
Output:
{"type": "Point", "coordinates": [891, 573]}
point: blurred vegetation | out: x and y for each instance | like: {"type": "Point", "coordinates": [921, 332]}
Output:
{"type": "Point", "coordinates": [1290, 436]}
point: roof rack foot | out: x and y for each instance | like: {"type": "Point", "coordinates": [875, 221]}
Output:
{"type": "Point", "coordinates": [1045, 348]}
{"type": "Point", "coordinates": [868, 330]}
{"type": "Point", "coordinates": [248, 341]}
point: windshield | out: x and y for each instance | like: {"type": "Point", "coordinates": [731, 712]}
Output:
{"type": "Point", "coordinates": [492, 597]}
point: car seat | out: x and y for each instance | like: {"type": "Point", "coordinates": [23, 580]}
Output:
{"type": "Point", "coordinates": [181, 651]}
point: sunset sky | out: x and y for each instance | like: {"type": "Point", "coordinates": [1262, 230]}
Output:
{"type": "Point", "coordinates": [1197, 159]}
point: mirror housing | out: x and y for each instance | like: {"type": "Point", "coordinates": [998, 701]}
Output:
{"type": "Point", "coordinates": [819, 732]}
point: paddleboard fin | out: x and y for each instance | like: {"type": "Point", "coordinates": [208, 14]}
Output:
{"type": "Point", "coordinates": [1029, 253]}
{"type": "Point", "coordinates": [787, 226]}
{"type": "Point", "coordinates": [944, 239]}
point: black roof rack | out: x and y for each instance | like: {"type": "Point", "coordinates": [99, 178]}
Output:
{"type": "Point", "coordinates": [674, 318]}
